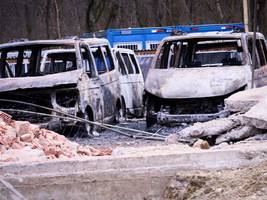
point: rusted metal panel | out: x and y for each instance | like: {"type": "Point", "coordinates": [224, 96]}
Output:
{"type": "Point", "coordinates": [165, 118]}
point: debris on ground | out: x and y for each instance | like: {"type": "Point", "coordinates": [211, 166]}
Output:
{"type": "Point", "coordinates": [22, 141]}
{"type": "Point", "coordinates": [202, 144]}
{"type": "Point", "coordinates": [247, 122]}
{"type": "Point", "coordinates": [245, 100]}
{"type": "Point", "coordinates": [248, 183]}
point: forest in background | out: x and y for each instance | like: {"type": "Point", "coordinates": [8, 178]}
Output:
{"type": "Point", "coordinates": [51, 19]}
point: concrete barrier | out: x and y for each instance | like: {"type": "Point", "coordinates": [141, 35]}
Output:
{"type": "Point", "coordinates": [134, 173]}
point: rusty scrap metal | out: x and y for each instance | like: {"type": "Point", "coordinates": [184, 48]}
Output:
{"type": "Point", "coordinates": [186, 118]}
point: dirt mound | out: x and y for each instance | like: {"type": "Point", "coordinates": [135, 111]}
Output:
{"type": "Point", "coordinates": [241, 184]}
{"type": "Point", "coordinates": [22, 141]}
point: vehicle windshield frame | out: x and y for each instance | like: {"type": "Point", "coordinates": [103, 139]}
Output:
{"type": "Point", "coordinates": [164, 52]}
{"type": "Point", "coordinates": [35, 60]}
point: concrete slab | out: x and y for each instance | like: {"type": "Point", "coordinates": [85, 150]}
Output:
{"type": "Point", "coordinates": [257, 115]}
{"type": "Point", "coordinates": [244, 100]}
{"type": "Point", "coordinates": [131, 173]}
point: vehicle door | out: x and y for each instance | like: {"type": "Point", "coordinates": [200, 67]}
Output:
{"type": "Point", "coordinates": [108, 79]}
{"type": "Point", "coordinates": [126, 87]}
{"type": "Point", "coordinates": [134, 81]}
{"type": "Point", "coordinates": [91, 93]}
{"type": "Point", "coordinates": [138, 82]}
{"type": "Point", "coordinates": [260, 73]}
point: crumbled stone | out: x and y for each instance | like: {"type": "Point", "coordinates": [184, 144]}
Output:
{"type": "Point", "coordinates": [202, 144]}
{"type": "Point", "coordinates": [171, 139]}
{"type": "Point", "coordinates": [22, 141]}
{"type": "Point", "coordinates": [26, 137]}
{"type": "Point", "coordinates": [22, 127]}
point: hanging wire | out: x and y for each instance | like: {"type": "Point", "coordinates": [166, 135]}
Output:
{"type": "Point", "coordinates": [75, 118]}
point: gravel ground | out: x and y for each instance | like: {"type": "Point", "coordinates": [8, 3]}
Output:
{"type": "Point", "coordinates": [111, 139]}
{"type": "Point", "coordinates": [249, 183]}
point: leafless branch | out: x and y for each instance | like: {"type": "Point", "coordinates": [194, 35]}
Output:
{"type": "Point", "coordinates": [57, 19]}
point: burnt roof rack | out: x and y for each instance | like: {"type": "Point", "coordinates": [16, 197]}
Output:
{"type": "Point", "coordinates": [18, 40]}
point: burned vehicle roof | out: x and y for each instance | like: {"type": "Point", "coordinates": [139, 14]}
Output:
{"type": "Point", "coordinates": [90, 41]}
{"type": "Point", "coordinates": [35, 79]}
{"type": "Point", "coordinates": [209, 35]}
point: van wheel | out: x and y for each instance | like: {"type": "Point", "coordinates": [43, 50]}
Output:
{"type": "Point", "coordinates": [89, 128]}
{"type": "Point", "coordinates": [123, 114]}
{"type": "Point", "coordinates": [151, 108]}
{"type": "Point", "coordinates": [117, 113]}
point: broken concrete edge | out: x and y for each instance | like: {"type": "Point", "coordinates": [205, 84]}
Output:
{"type": "Point", "coordinates": [122, 177]}
{"type": "Point", "coordinates": [257, 115]}
{"type": "Point", "coordinates": [229, 158]}
{"type": "Point", "coordinates": [249, 120]}
{"type": "Point", "coordinates": [243, 101]}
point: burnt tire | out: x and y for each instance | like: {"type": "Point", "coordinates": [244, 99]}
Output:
{"type": "Point", "coordinates": [117, 114]}
{"type": "Point", "coordinates": [89, 128]}
{"type": "Point", "coordinates": [82, 128]}
{"type": "Point", "coordinates": [123, 114]}
{"type": "Point", "coordinates": [151, 109]}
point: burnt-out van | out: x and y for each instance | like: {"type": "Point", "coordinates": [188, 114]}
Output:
{"type": "Point", "coordinates": [192, 74]}
{"type": "Point", "coordinates": [77, 77]}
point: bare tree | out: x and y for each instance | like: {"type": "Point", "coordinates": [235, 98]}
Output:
{"type": "Point", "coordinates": [57, 19]}
{"type": "Point", "coordinates": [218, 5]}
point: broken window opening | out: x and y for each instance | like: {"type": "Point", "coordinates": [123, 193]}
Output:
{"type": "Point", "coordinates": [127, 63]}
{"type": "Point", "coordinates": [201, 53]}
{"type": "Point", "coordinates": [88, 62]}
{"type": "Point", "coordinates": [57, 59]}
{"type": "Point", "coordinates": [122, 68]}
{"type": "Point", "coordinates": [108, 58]}
{"type": "Point", "coordinates": [261, 53]}
{"type": "Point", "coordinates": [250, 47]}
{"type": "Point", "coordinates": [99, 60]}
{"type": "Point", "coordinates": [36, 60]}
{"type": "Point", "coordinates": [133, 59]}
{"type": "Point", "coordinates": [59, 62]}
{"type": "Point", "coordinates": [15, 63]}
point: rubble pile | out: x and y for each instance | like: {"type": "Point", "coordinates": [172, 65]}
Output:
{"type": "Point", "coordinates": [247, 122]}
{"type": "Point", "coordinates": [22, 141]}
{"type": "Point", "coordinates": [240, 184]}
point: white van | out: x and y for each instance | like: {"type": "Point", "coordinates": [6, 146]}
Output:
{"type": "Point", "coordinates": [131, 82]}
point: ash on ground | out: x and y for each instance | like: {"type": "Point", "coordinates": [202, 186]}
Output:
{"type": "Point", "coordinates": [108, 138]}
